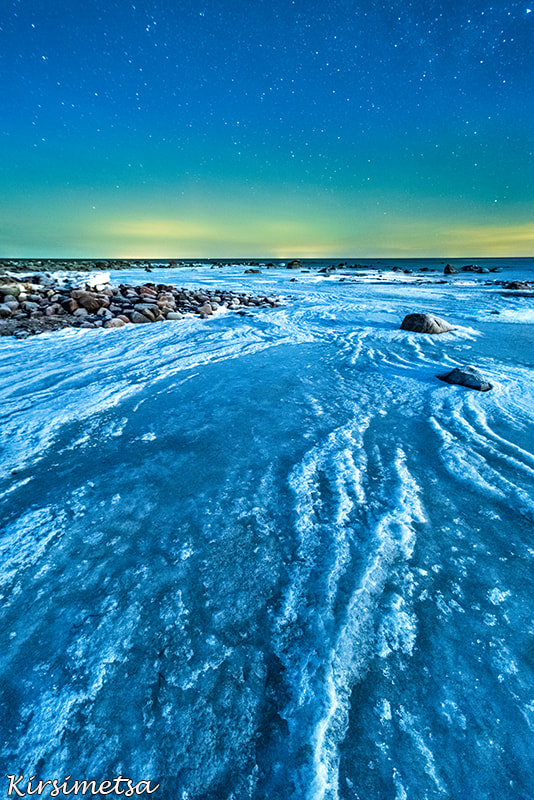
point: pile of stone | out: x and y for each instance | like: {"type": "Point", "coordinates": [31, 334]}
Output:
{"type": "Point", "coordinates": [42, 303]}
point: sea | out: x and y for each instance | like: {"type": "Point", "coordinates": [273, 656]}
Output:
{"type": "Point", "coordinates": [270, 555]}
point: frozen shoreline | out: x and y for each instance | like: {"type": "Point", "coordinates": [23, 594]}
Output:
{"type": "Point", "coordinates": [277, 539]}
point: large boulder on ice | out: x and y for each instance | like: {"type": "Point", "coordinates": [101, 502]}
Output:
{"type": "Point", "coordinates": [425, 323]}
{"type": "Point", "coordinates": [467, 376]}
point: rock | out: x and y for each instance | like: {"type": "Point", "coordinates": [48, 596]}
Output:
{"type": "Point", "coordinates": [517, 285]}
{"type": "Point", "coordinates": [137, 317]}
{"type": "Point", "coordinates": [153, 308]}
{"type": "Point", "coordinates": [174, 315]}
{"type": "Point", "coordinates": [467, 376]}
{"type": "Point", "coordinates": [5, 310]}
{"type": "Point", "coordinates": [27, 305]}
{"type": "Point", "coordinates": [114, 323]}
{"type": "Point", "coordinates": [450, 270]}
{"type": "Point", "coordinates": [295, 264]}
{"type": "Point", "coordinates": [89, 300]}
{"type": "Point", "coordinates": [470, 268]}
{"type": "Point", "coordinates": [13, 289]}
{"type": "Point", "coordinates": [70, 305]}
{"type": "Point", "coordinates": [206, 309]}
{"type": "Point", "coordinates": [252, 272]}
{"type": "Point", "coordinates": [425, 323]}
{"type": "Point", "coordinates": [53, 309]}
{"type": "Point", "coordinates": [81, 312]}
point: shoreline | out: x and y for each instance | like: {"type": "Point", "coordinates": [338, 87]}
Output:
{"type": "Point", "coordinates": [330, 264]}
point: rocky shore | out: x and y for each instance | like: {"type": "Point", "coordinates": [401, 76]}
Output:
{"type": "Point", "coordinates": [41, 303]}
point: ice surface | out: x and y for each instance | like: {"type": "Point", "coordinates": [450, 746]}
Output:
{"type": "Point", "coordinates": [273, 556]}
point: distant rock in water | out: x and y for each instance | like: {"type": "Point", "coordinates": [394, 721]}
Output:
{"type": "Point", "coordinates": [517, 285]}
{"type": "Point", "coordinates": [450, 270]}
{"type": "Point", "coordinates": [425, 323]}
{"type": "Point", "coordinates": [467, 376]}
{"type": "Point", "coordinates": [295, 264]}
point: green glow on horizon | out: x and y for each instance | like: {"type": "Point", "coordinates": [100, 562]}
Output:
{"type": "Point", "coordinates": [291, 224]}
{"type": "Point", "coordinates": [249, 234]}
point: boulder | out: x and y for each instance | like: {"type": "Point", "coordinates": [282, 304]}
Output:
{"type": "Point", "coordinates": [114, 323]}
{"type": "Point", "coordinates": [174, 315]}
{"type": "Point", "coordinates": [467, 376]}
{"type": "Point", "coordinates": [450, 270]}
{"type": "Point", "coordinates": [425, 323]}
{"type": "Point", "coordinates": [295, 264]}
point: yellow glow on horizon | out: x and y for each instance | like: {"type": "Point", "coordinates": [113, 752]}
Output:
{"type": "Point", "coordinates": [312, 237]}
{"type": "Point", "coordinates": [284, 227]}
{"type": "Point", "coordinates": [495, 240]}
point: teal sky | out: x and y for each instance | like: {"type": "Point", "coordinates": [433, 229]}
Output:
{"type": "Point", "coordinates": [160, 129]}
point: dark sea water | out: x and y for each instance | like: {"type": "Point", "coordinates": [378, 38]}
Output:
{"type": "Point", "coordinates": [272, 557]}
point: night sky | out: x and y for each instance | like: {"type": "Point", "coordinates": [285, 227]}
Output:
{"type": "Point", "coordinates": [266, 128]}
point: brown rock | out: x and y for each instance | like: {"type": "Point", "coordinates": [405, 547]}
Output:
{"type": "Point", "coordinates": [89, 300]}
{"type": "Point", "coordinates": [70, 305]}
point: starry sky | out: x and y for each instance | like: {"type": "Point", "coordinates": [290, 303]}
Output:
{"type": "Point", "coordinates": [282, 128]}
